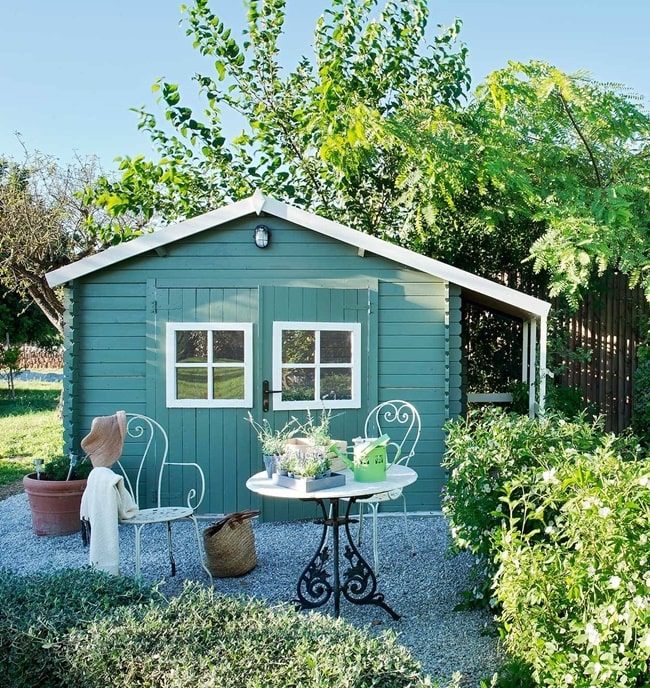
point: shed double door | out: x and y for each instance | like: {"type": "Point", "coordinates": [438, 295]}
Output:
{"type": "Point", "coordinates": [219, 438]}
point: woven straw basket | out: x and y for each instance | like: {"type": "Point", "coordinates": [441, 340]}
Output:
{"type": "Point", "coordinates": [230, 545]}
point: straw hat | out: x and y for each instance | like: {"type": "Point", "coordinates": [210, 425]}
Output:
{"type": "Point", "coordinates": [105, 441]}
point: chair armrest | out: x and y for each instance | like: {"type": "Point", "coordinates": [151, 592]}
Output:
{"type": "Point", "coordinates": [191, 495]}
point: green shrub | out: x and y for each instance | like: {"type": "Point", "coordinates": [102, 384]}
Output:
{"type": "Point", "coordinates": [560, 400]}
{"type": "Point", "coordinates": [37, 611]}
{"type": "Point", "coordinates": [58, 468]}
{"type": "Point", "coordinates": [574, 597]}
{"type": "Point", "coordinates": [557, 514]}
{"type": "Point", "coordinates": [87, 629]}
{"type": "Point", "coordinates": [641, 396]}
{"type": "Point", "coordinates": [568, 402]}
{"type": "Point", "coordinates": [513, 673]}
{"type": "Point", "coordinates": [484, 453]}
{"type": "Point", "coordinates": [203, 639]}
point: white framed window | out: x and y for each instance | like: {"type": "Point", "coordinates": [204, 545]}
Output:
{"type": "Point", "coordinates": [316, 365]}
{"type": "Point", "coordinates": [209, 365]}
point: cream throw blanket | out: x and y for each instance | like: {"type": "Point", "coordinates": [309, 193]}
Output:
{"type": "Point", "coordinates": [104, 501]}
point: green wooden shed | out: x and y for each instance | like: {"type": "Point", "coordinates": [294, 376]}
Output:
{"type": "Point", "coordinates": [138, 313]}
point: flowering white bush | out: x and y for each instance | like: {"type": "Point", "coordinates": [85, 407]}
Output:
{"type": "Point", "coordinates": [562, 539]}
{"type": "Point", "coordinates": [576, 603]}
{"type": "Point", "coordinates": [487, 450]}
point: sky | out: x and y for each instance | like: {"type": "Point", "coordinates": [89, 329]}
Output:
{"type": "Point", "coordinates": [71, 70]}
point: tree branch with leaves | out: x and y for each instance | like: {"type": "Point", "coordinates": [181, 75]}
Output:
{"type": "Point", "coordinates": [45, 224]}
{"type": "Point", "coordinates": [309, 135]}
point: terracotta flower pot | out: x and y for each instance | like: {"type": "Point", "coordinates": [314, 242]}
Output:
{"type": "Point", "coordinates": [54, 504]}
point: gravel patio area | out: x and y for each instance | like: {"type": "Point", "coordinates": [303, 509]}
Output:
{"type": "Point", "coordinates": [423, 586]}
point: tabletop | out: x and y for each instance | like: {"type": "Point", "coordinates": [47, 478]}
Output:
{"type": "Point", "coordinates": [396, 477]}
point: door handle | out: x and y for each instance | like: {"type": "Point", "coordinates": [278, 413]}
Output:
{"type": "Point", "coordinates": [266, 393]}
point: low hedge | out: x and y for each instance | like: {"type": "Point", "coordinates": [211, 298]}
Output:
{"type": "Point", "coordinates": [558, 515]}
{"type": "Point", "coordinates": [37, 611]}
{"type": "Point", "coordinates": [139, 640]}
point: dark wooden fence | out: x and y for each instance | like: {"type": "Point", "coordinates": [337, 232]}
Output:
{"type": "Point", "coordinates": [607, 324]}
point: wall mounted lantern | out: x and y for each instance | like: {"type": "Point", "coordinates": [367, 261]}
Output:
{"type": "Point", "coordinates": [262, 236]}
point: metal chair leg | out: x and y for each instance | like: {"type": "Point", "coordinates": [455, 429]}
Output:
{"type": "Point", "coordinates": [406, 525]}
{"type": "Point", "coordinates": [138, 532]}
{"type": "Point", "coordinates": [170, 550]}
{"type": "Point", "coordinates": [199, 542]}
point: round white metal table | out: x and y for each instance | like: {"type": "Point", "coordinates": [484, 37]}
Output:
{"type": "Point", "coordinates": [359, 584]}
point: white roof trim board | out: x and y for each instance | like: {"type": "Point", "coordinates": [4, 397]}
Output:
{"type": "Point", "coordinates": [484, 290]}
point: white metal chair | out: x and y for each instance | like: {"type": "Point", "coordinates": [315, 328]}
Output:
{"type": "Point", "coordinates": [153, 462]}
{"type": "Point", "coordinates": [400, 420]}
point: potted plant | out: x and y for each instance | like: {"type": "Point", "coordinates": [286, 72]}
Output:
{"type": "Point", "coordinates": [317, 430]}
{"type": "Point", "coordinates": [273, 442]}
{"type": "Point", "coordinates": [307, 469]}
{"type": "Point", "coordinates": [54, 491]}
{"type": "Point", "coordinates": [284, 464]}
{"type": "Point", "coordinates": [310, 464]}
{"type": "Point", "coordinates": [315, 433]}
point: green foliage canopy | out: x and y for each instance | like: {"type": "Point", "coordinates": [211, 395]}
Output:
{"type": "Point", "coordinates": [23, 322]}
{"type": "Point", "coordinates": [379, 131]}
{"type": "Point", "coordinates": [309, 136]}
{"type": "Point", "coordinates": [539, 164]}
{"type": "Point", "coordinates": [582, 154]}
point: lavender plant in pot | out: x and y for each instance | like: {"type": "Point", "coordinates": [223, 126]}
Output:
{"type": "Point", "coordinates": [310, 463]}
{"type": "Point", "coordinates": [54, 491]}
{"type": "Point", "coordinates": [308, 469]}
{"type": "Point", "coordinates": [273, 442]}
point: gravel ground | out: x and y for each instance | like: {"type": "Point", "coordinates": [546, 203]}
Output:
{"type": "Point", "coordinates": [423, 585]}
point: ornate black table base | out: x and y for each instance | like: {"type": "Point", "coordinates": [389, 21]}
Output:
{"type": "Point", "coordinates": [359, 584]}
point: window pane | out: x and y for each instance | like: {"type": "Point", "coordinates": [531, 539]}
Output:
{"type": "Point", "coordinates": [191, 383]}
{"type": "Point", "coordinates": [335, 347]}
{"type": "Point", "coordinates": [298, 384]}
{"type": "Point", "coordinates": [298, 346]}
{"type": "Point", "coordinates": [228, 383]}
{"type": "Point", "coordinates": [228, 346]}
{"type": "Point", "coordinates": [191, 346]}
{"type": "Point", "coordinates": [336, 384]}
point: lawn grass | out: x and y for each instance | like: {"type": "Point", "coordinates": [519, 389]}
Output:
{"type": "Point", "coordinates": [30, 427]}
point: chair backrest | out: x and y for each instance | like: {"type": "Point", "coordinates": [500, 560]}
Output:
{"type": "Point", "coordinates": [401, 422]}
{"type": "Point", "coordinates": [153, 449]}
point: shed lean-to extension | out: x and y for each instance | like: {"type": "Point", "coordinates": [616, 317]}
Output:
{"type": "Point", "coordinates": [128, 307]}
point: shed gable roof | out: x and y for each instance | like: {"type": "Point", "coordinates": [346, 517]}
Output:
{"type": "Point", "coordinates": [478, 288]}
